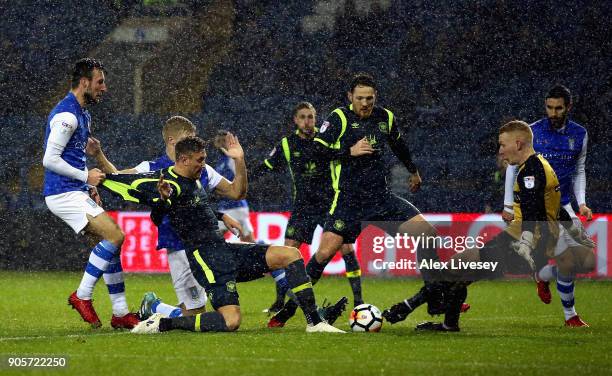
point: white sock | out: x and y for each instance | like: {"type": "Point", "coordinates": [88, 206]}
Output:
{"type": "Point", "coordinates": [113, 277]}
{"type": "Point", "coordinates": [166, 309]}
{"type": "Point", "coordinates": [99, 259]}
{"type": "Point", "coordinates": [565, 287]}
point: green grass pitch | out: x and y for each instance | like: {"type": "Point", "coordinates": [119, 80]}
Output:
{"type": "Point", "coordinates": [507, 331]}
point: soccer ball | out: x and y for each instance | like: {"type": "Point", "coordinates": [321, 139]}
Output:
{"type": "Point", "coordinates": [365, 318]}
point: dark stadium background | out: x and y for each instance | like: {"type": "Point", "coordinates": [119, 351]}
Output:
{"type": "Point", "coordinates": [453, 71]}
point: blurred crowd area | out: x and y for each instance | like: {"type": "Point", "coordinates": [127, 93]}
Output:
{"type": "Point", "coordinates": [453, 72]}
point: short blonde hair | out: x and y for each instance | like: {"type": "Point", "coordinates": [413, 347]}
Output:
{"type": "Point", "coordinates": [176, 125]}
{"type": "Point", "coordinates": [518, 126]}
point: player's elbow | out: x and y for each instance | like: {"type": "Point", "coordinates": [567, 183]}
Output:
{"type": "Point", "coordinates": [236, 193]}
{"type": "Point", "coordinates": [47, 161]}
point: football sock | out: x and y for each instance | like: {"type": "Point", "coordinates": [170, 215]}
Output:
{"type": "Point", "coordinates": [166, 309]}
{"type": "Point", "coordinates": [202, 322]}
{"type": "Point", "coordinates": [301, 286]}
{"type": "Point", "coordinates": [456, 296]}
{"type": "Point", "coordinates": [416, 300]}
{"type": "Point", "coordinates": [113, 277]}
{"type": "Point", "coordinates": [99, 259]}
{"type": "Point", "coordinates": [565, 287]}
{"type": "Point", "coordinates": [315, 269]}
{"type": "Point", "coordinates": [353, 274]}
{"type": "Point", "coordinates": [547, 273]}
{"type": "Point", "coordinates": [428, 252]}
{"type": "Point", "coordinates": [281, 284]}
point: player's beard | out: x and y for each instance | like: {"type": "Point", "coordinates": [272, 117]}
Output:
{"type": "Point", "coordinates": [308, 132]}
{"type": "Point", "coordinates": [558, 123]}
{"type": "Point", "coordinates": [90, 99]}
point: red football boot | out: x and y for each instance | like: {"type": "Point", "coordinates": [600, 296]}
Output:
{"type": "Point", "coordinates": [128, 321]}
{"type": "Point", "coordinates": [543, 290]}
{"type": "Point", "coordinates": [85, 309]}
{"type": "Point", "coordinates": [274, 323]}
{"type": "Point", "coordinates": [465, 307]}
{"type": "Point", "coordinates": [576, 322]}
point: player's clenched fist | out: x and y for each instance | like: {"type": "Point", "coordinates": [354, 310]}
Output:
{"type": "Point", "coordinates": [95, 177]}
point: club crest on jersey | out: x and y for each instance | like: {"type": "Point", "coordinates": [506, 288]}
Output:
{"type": "Point", "coordinates": [231, 286]}
{"type": "Point", "coordinates": [355, 125]}
{"type": "Point", "coordinates": [339, 225]}
{"type": "Point", "coordinates": [570, 142]}
{"type": "Point", "coordinates": [529, 182]}
{"type": "Point", "coordinates": [384, 127]}
{"type": "Point", "coordinates": [324, 126]}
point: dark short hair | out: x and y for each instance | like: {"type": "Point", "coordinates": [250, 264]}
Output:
{"type": "Point", "coordinates": [560, 91]}
{"type": "Point", "coordinates": [189, 145]}
{"type": "Point", "coordinates": [301, 106]}
{"type": "Point", "coordinates": [362, 79]}
{"type": "Point", "coordinates": [84, 68]}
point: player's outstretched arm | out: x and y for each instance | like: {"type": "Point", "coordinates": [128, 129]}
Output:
{"type": "Point", "coordinates": [94, 149]}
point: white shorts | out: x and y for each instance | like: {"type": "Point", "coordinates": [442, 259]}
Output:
{"type": "Point", "coordinates": [73, 207]}
{"type": "Point", "coordinates": [240, 214]}
{"type": "Point", "coordinates": [187, 289]}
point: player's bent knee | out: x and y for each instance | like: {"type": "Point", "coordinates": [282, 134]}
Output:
{"type": "Point", "coordinates": [330, 244]}
{"type": "Point", "coordinates": [232, 322]}
{"type": "Point", "coordinates": [587, 264]}
{"type": "Point", "coordinates": [232, 317]}
{"type": "Point", "coordinates": [280, 256]}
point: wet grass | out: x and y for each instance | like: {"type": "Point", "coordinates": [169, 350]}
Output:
{"type": "Point", "coordinates": [507, 331]}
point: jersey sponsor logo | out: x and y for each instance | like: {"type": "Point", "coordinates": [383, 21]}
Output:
{"type": "Point", "coordinates": [324, 126]}
{"type": "Point", "coordinates": [371, 140]}
{"type": "Point", "coordinates": [355, 125]}
{"type": "Point", "coordinates": [529, 182]}
{"type": "Point", "coordinates": [310, 167]}
{"type": "Point", "coordinates": [384, 127]}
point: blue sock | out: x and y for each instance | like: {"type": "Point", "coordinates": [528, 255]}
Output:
{"type": "Point", "coordinates": [166, 309]}
{"type": "Point", "coordinates": [99, 260]}
{"type": "Point", "coordinates": [565, 287]}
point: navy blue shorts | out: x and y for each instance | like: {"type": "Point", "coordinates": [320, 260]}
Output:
{"type": "Point", "coordinates": [219, 266]}
{"type": "Point", "coordinates": [348, 215]}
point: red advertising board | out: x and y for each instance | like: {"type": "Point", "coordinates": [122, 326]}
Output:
{"type": "Point", "coordinates": [139, 252]}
